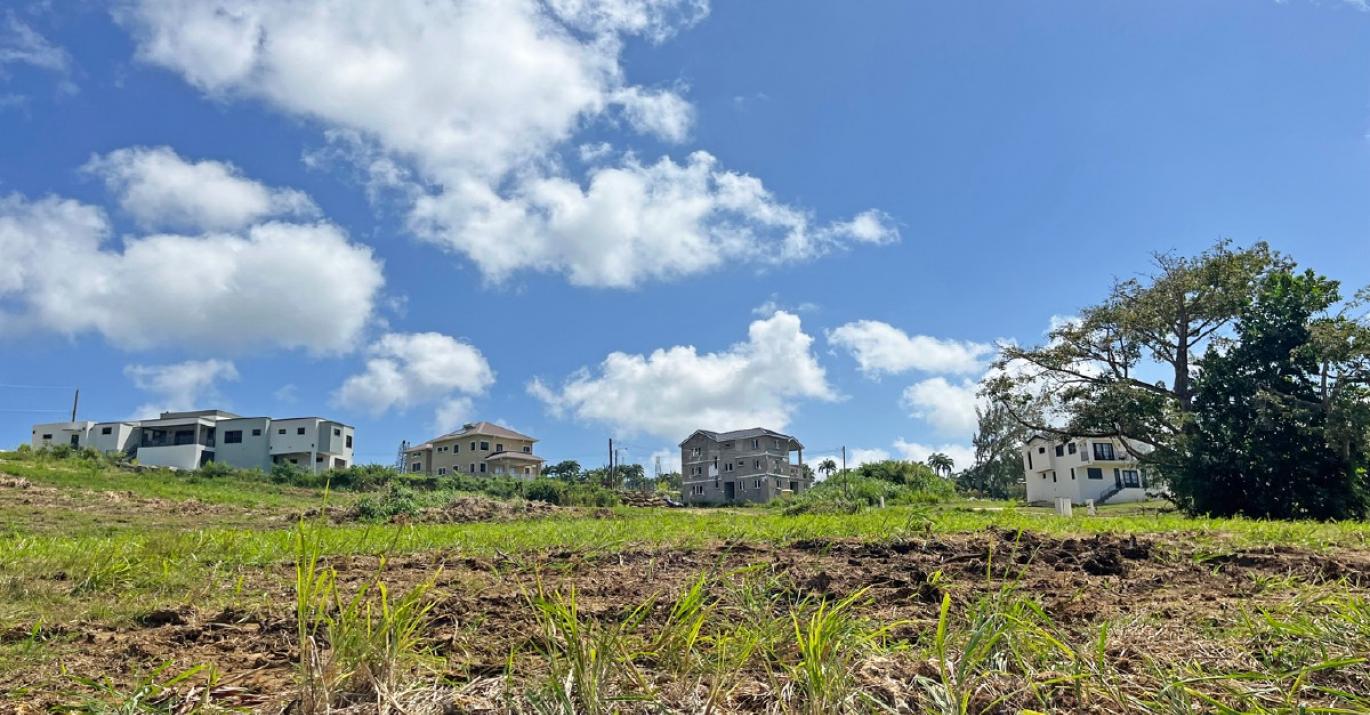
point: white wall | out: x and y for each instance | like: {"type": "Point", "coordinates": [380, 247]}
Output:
{"type": "Point", "coordinates": [119, 440]}
{"type": "Point", "coordinates": [292, 442]}
{"type": "Point", "coordinates": [61, 434]}
{"type": "Point", "coordinates": [181, 456]}
{"type": "Point", "coordinates": [252, 452]}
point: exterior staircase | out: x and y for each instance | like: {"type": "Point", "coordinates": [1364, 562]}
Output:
{"type": "Point", "coordinates": [1112, 492]}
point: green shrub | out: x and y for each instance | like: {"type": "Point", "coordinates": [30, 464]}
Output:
{"type": "Point", "coordinates": [855, 490]}
{"type": "Point", "coordinates": [396, 500]}
{"type": "Point", "coordinates": [362, 477]}
{"type": "Point", "coordinates": [552, 491]}
{"type": "Point", "coordinates": [590, 495]}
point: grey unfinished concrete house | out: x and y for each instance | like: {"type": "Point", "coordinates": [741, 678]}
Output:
{"type": "Point", "coordinates": [750, 465]}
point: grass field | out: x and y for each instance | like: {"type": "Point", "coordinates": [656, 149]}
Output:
{"type": "Point", "coordinates": [168, 592]}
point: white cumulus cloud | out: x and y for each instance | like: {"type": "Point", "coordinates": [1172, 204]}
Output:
{"type": "Point", "coordinates": [189, 385]}
{"type": "Point", "coordinates": [161, 190]}
{"type": "Point", "coordinates": [881, 348]}
{"type": "Point", "coordinates": [674, 391]}
{"type": "Point", "coordinates": [274, 284]}
{"type": "Point", "coordinates": [408, 369]}
{"type": "Point", "coordinates": [948, 406]}
{"type": "Point", "coordinates": [481, 98]}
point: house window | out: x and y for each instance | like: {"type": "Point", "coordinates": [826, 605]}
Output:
{"type": "Point", "coordinates": [233, 436]}
{"type": "Point", "coordinates": [1094, 473]}
{"type": "Point", "coordinates": [728, 467]}
{"type": "Point", "coordinates": [758, 484]}
{"type": "Point", "coordinates": [1053, 477]}
{"type": "Point", "coordinates": [499, 470]}
{"type": "Point", "coordinates": [482, 467]}
{"type": "Point", "coordinates": [415, 467]}
{"type": "Point", "coordinates": [527, 450]}
{"type": "Point", "coordinates": [473, 446]}
{"type": "Point", "coordinates": [1104, 451]}
{"type": "Point", "coordinates": [727, 445]}
{"type": "Point", "coordinates": [1041, 450]}
{"type": "Point", "coordinates": [1071, 448]}
{"type": "Point", "coordinates": [442, 471]}
{"type": "Point", "coordinates": [1060, 450]}
{"type": "Point", "coordinates": [47, 436]}
{"type": "Point", "coordinates": [337, 432]}
{"type": "Point", "coordinates": [106, 430]}
{"type": "Point", "coordinates": [756, 464]}
{"type": "Point", "coordinates": [258, 433]}
{"type": "Point", "coordinates": [1131, 478]}
{"type": "Point", "coordinates": [1072, 474]}
{"type": "Point", "coordinates": [472, 468]}
{"type": "Point", "coordinates": [485, 446]}
{"type": "Point", "coordinates": [499, 447]}
{"type": "Point", "coordinates": [756, 444]}
{"type": "Point", "coordinates": [694, 452]}
{"type": "Point", "coordinates": [456, 448]}
{"type": "Point", "coordinates": [299, 430]}
{"type": "Point", "coordinates": [280, 431]}
{"type": "Point", "coordinates": [1029, 460]}
{"type": "Point", "coordinates": [184, 436]}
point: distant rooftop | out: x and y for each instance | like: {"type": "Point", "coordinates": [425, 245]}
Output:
{"type": "Point", "coordinates": [478, 429]}
{"type": "Point", "coordinates": [743, 434]}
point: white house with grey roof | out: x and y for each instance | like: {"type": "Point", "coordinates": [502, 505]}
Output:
{"type": "Point", "coordinates": [189, 440]}
{"type": "Point", "coordinates": [479, 448]}
{"type": "Point", "coordinates": [749, 465]}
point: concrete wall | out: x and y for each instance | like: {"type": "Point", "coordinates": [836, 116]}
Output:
{"type": "Point", "coordinates": [52, 434]}
{"type": "Point", "coordinates": [122, 437]}
{"type": "Point", "coordinates": [183, 456]}
{"type": "Point", "coordinates": [253, 452]}
{"type": "Point", "coordinates": [286, 437]}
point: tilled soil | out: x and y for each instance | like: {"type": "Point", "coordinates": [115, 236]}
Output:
{"type": "Point", "coordinates": [482, 611]}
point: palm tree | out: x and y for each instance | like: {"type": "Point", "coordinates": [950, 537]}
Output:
{"type": "Point", "coordinates": [827, 467]}
{"type": "Point", "coordinates": [941, 463]}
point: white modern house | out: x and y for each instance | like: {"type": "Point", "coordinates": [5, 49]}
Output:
{"type": "Point", "coordinates": [187, 440]}
{"type": "Point", "coordinates": [1083, 468]}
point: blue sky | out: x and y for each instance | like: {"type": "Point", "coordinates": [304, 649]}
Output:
{"type": "Point", "coordinates": [633, 218]}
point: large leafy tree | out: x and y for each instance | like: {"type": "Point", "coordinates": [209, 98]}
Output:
{"type": "Point", "coordinates": [1280, 416]}
{"type": "Point", "coordinates": [1087, 380]}
{"type": "Point", "coordinates": [998, 469]}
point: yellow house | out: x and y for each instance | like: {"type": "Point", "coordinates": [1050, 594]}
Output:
{"type": "Point", "coordinates": [481, 448]}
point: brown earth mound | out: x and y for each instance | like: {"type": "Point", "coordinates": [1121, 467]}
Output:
{"type": "Point", "coordinates": [1171, 595]}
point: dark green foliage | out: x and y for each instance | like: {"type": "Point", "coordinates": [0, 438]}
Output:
{"type": "Point", "coordinates": [1258, 444]}
{"type": "Point", "coordinates": [567, 471]}
{"type": "Point", "coordinates": [551, 491]}
{"type": "Point", "coordinates": [998, 469]}
{"type": "Point", "coordinates": [892, 481]}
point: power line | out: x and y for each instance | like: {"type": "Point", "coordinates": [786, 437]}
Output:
{"type": "Point", "coordinates": [38, 387]}
{"type": "Point", "coordinates": [34, 411]}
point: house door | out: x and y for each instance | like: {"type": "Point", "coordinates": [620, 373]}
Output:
{"type": "Point", "coordinates": [76, 440]}
{"type": "Point", "coordinates": [729, 491]}
{"type": "Point", "coordinates": [1132, 479]}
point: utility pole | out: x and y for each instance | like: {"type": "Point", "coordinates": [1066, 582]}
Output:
{"type": "Point", "coordinates": [74, 402]}
{"type": "Point", "coordinates": [611, 460]}
{"type": "Point", "coordinates": [846, 483]}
